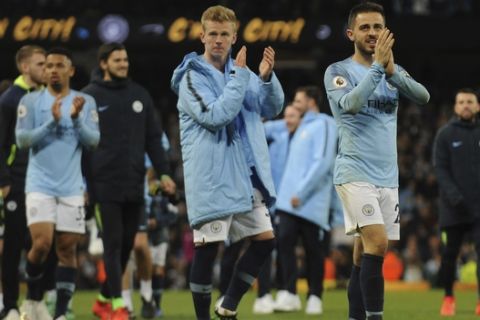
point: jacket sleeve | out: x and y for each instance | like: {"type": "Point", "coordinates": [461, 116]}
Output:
{"type": "Point", "coordinates": [342, 91]}
{"type": "Point", "coordinates": [7, 123]}
{"type": "Point", "coordinates": [27, 134]}
{"type": "Point", "coordinates": [324, 146]}
{"type": "Point", "coordinates": [153, 141]}
{"type": "Point", "coordinates": [270, 97]}
{"type": "Point", "coordinates": [273, 128]}
{"type": "Point", "coordinates": [87, 125]}
{"type": "Point", "coordinates": [408, 86]}
{"type": "Point", "coordinates": [197, 98]}
{"type": "Point", "coordinates": [441, 165]}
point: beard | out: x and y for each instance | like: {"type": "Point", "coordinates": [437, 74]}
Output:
{"type": "Point", "coordinates": [115, 76]}
{"type": "Point", "coordinates": [56, 86]}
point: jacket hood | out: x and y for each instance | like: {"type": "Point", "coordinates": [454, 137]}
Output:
{"type": "Point", "coordinates": [181, 69]}
{"type": "Point", "coordinates": [97, 77]}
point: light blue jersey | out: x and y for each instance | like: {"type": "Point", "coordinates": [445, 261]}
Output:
{"type": "Point", "coordinates": [365, 107]}
{"type": "Point", "coordinates": [55, 148]}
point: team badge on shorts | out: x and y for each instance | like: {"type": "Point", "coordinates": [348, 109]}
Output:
{"type": "Point", "coordinates": [11, 205]}
{"type": "Point", "coordinates": [368, 210]}
{"type": "Point", "coordinates": [339, 82]}
{"type": "Point", "coordinates": [137, 106]}
{"type": "Point", "coordinates": [216, 227]}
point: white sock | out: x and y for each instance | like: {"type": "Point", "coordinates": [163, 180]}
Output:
{"type": "Point", "coordinates": [127, 299]}
{"type": "Point", "coordinates": [146, 289]}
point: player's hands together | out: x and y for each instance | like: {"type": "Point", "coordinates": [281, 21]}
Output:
{"type": "Point", "coordinates": [383, 49]}
{"type": "Point", "coordinates": [266, 65]}
{"type": "Point", "coordinates": [167, 184]}
{"type": "Point", "coordinates": [57, 108]}
{"type": "Point", "coordinates": [77, 106]}
{"type": "Point", "coordinates": [241, 58]}
{"type": "Point", "coordinates": [390, 68]}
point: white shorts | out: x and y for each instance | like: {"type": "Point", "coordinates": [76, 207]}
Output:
{"type": "Point", "coordinates": [67, 213]}
{"type": "Point", "coordinates": [159, 254]}
{"type": "Point", "coordinates": [365, 204]}
{"type": "Point", "coordinates": [236, 226]}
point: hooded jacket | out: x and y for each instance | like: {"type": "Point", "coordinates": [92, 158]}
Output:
{"type": "Point", "coordinates": [115, 171]}
{"type": "Point", "coordinates": [217, 177]}
{"type": "Point", "coordinates": [308, 171]}
{"type": "Point", "coordinates": [13, 161]}
{"type": "Point", "coordinates": [456, 160]}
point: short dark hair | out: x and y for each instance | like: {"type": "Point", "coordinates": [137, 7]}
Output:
{"type": "Point", "coordinates": [467, 90]}
{"type": "Point", "coordinates": [106, 50]}
{"type": "Point", "coordinates": [26, 52]}
{"type": "Point", "coordinates": [362, 7]}
{"type": "Point", "coordinates": [61, 51]}
{"type": "Point", "coordinates": [313, 92]}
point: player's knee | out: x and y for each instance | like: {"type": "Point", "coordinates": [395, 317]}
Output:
{"type": "Point", "coordinates": [41, 247]}
{"type": "Point", "coordinates": [263, 248]}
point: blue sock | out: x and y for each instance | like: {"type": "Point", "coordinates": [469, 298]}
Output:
{"type": "Point", "coordinates": [372, 284]}
{"type": "Point", "coordinates": [65, 280]}
{"type": "Point", "coordinates": [201, 279]}
{"type": "Point", "coordinates": [158, 283]}
{"type": "Point", "coordinates": [246, 271]}
{"type": "Point", "coordinates": [356, 309]}
{"type": "Point", "coordinates": [34, 277]}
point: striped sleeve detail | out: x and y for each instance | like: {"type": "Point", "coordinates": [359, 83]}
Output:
{"type": "Point", "coordinates": [195, 93]}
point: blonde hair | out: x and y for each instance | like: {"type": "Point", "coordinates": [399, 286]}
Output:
{"type": "Point", "coordinates": [219, 14]}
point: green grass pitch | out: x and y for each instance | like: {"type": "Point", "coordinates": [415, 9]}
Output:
{"type": "Point", "coordinates": [408, 305]}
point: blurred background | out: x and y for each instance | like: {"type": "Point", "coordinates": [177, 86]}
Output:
{"type": "Point", "coordinates": [437, 42]}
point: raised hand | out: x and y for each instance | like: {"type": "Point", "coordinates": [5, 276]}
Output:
{"type": "Point", "coordinates": [390, 68]}
{"type": "Point", "coordinates": [241, 59]}
{"type": "Point", "coordinates": [77, 106]}
{"type": "Point", "coordinates": [267, 63]}
{"type": "Point", "coordinates": [57, 108]}
{"type": "Point", "coordinates": [383, 49]}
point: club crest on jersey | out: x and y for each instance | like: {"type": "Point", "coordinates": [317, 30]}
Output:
{"type": "Point", "coordinates": [137, 106]}
{"type": "Point", "coordinates": [11, 205]}
{"type": "Point", "coordinates": [339, 82]}
{"type": "Point", "coordinates": [21, 111]}
{"type": "Point", "coordinates": [368, 210]}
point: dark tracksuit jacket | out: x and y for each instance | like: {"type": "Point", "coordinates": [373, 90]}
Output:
{"type": "Point", "coordinates": [13, 161]}
{"type": "Point", "coordinates": [115, 170]}
{"type": "Point", "coordinates": [456, 160]}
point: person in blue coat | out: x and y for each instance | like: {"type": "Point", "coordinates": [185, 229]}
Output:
{"type": "Point", "coordinates": [228, 183]}
{"type": "Point", "coordinates": [303, 206]}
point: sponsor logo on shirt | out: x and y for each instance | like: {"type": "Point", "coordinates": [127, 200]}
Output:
{"type": "Point", "coordinates": [103, 108]}
{"type": "Point", "coordinates": [457, 144]}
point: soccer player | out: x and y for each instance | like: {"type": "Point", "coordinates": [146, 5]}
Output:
{"type": "Point", "coordinates": [456, 160]}
{"type": "Point", "coordinates": [30, 61]}
{"type": "Point", "coordinates": [303, 207]}
{"type": "Point", "coordinates": [363, 92]}
{"type": "Point", "coordinates": [55, 123]}
{"type": "Point", "coordinates": [228, 183]}
{"type": "Point", "coordinates": [129, 129]}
